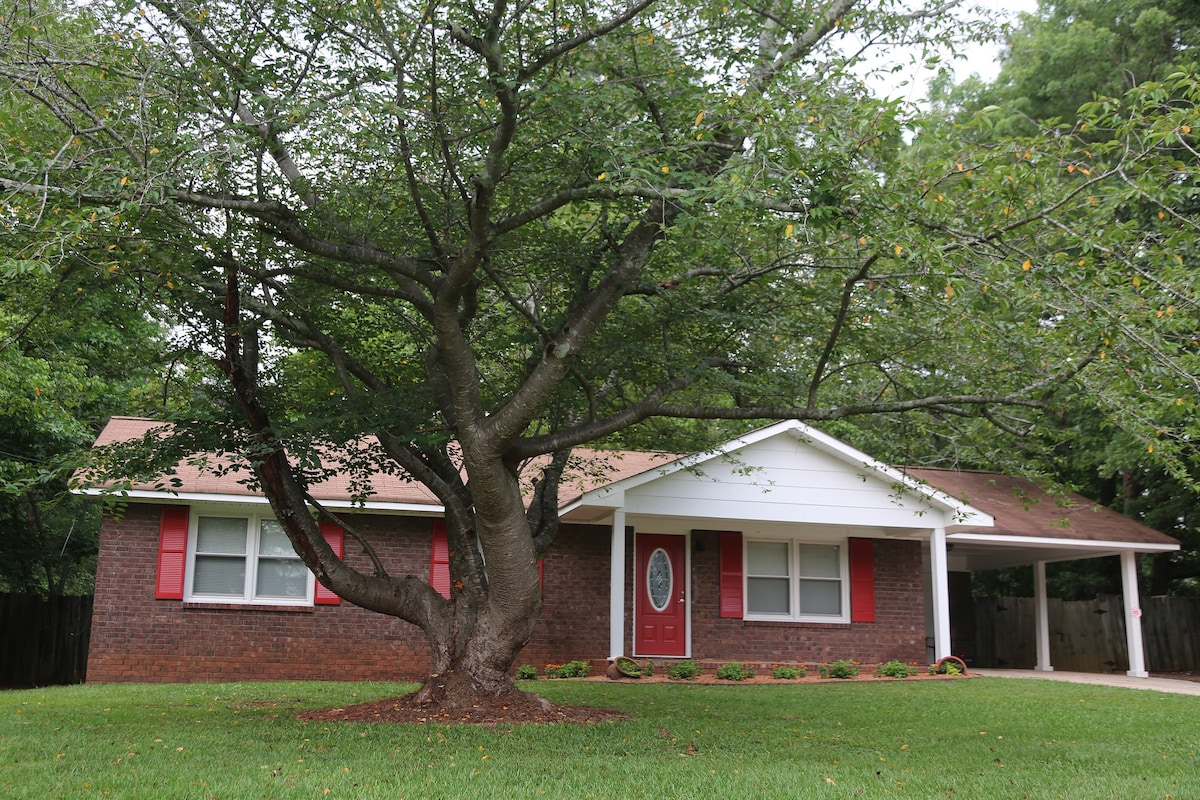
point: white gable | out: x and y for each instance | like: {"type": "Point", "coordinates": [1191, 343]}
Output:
{"type": "Point", "coordinates": [787, 473]}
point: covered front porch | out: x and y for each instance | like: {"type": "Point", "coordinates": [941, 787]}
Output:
{"type": "Point", "coordinates": [784, 535]}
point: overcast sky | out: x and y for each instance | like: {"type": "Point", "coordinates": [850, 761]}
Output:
{"type": "Point", "coordinates": [979, 59]}
{"type": "Point", "coordinates": [982, 59]}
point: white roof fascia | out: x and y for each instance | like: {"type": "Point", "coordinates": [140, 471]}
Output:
{"type": "Point", "coordinates": [963, 515]}
{"type": "Point", "coordinates": [1049, 541]}
{"type": "Point", "coordinates": [230, 499]}
{"type": "Point", "coordinates": [611, 496]}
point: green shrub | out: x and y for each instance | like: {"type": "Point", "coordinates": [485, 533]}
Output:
{"type": "Point", "coordinates": [788, 673]}
{"type": "Point", "coordinates": [526, 672]}
{"type": "Point", "coordinates": [647, 668]}
{"type": "Point", "coordinates": [571, 669]}
{"type": "Point", "coordinates": [839, 669]}
{"type": "Point", "coordinates": [575, 669]}
{"type": "Point", "coordinates": [734, 671]}
{"type": "Point", "coordinates": [895, 669]}
{"type": "Point", "coordinates": [683, 670]}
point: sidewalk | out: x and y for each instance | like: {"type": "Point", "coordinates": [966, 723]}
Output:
{"type": "Point", "coordinates": [1097, 679]}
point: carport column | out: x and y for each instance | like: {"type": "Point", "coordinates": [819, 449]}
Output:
{"type": "Point", "coordinates": [941, 593]}
{"type": "Point", "coordinates": [1041, 614]}
{"type": "Point", "coordinates": [1133, 616]}
{"type": "Point", "coordinates": [616, 588]}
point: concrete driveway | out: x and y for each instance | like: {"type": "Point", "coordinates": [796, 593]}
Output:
{"type": "Point", "coordinates": [1096, 679]}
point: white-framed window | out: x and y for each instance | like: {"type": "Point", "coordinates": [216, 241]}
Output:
{"type": "Point", "coordinates": [789, 579]}
{"type": "Point", "coordinates": [244, 559]}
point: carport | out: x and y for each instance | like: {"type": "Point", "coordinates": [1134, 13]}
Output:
{"type": "Point", "coordinates": [1033, 527]}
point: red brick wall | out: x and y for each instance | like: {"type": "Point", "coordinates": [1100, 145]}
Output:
{"type": "Point", "coordinates": [137, 638]}
{"type": "Point", "coordinates": [574, 622]}
{"type": "Point", "coordinates": [897, 633]}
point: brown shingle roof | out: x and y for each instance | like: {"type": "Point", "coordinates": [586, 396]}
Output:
{"type": "Point", "coordinates": [589, 470]}
{"type": "Point", "coordinates": [1021, 508]}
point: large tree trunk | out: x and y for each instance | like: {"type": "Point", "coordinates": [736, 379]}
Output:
{"type": "Point", "coordinates": [475, 669]}
{"type": "Point", "coordinates": [495, 599]}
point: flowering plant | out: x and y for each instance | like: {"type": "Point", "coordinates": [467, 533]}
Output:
{"type": "Point", "coordinates": [571, 669]}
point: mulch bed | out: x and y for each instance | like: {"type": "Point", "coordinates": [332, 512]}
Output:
{"type": "Point", "coordinates": [528, 708]}
{"type": "Point", "coordinates": [709, 678]}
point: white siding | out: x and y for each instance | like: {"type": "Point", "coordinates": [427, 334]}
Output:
{"type": "Point", "coordinates": [784, 479]}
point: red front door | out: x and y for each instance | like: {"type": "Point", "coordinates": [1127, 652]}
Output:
{"type": "Point", "coordinates": [660, 591]}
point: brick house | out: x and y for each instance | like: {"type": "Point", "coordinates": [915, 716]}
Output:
{"type": "Point", "coordinates": [784, 545]}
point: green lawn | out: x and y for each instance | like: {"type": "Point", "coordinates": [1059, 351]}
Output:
{"type": "Point", "coordinates": [966, 739]}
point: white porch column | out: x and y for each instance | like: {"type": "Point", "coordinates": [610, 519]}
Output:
{"type": "Point", "coordinates": [1133, 616]}
{"type": "Point", "coordinates": [1041, 615]}
{"type": "Point", "coordinates": [941, 593]}
{"type": "Point", "coordinates": [616, 588]}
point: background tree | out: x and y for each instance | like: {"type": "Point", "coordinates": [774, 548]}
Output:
{"type": "Point", "coordinates": [1070, 51]}
{"type": "Point", "coordinates": [75, 348]}
{"type": "Point", "coordinates": [486, 236]}
{"type": "Point", "coordinates": [1060, 60]}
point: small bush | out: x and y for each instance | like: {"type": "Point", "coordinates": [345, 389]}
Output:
{"type": "Point", "coordinates": [647, 668]}
{"type": "Point", "coordinates": [788, 673]}
{"type": "Point", "coordinates": [839, 669]}
{"type": "Point", "coordinates": [575, 669]}
{"type": "Point", "coordinates": [734, 671]}
{"type": "Point", "coordinates": [526, 672]}
{"type": "Point", "coordinates": [895, 669]}
{"type": "Point", "coordinates": [683, 670]}
{"type": "Point", "coordinates": [571, 669]}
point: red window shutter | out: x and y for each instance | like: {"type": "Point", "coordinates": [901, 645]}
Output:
{"type": "Point", "coordinates": [336, 538]}
{"type": "Point", "coordinates": [862, 580]}
{"type": "Point", "coordinates": [439, 569]}
{"type": "Point", "coordinates": [731, 575]}
{"type": "Point", "coordinates": [172, 552]}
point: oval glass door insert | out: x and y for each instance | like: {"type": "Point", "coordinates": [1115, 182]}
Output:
{"type": "Point", "coordinates": [659, 579]}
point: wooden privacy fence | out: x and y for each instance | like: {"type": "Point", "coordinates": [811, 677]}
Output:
{"type": "Point", "coordinates": [43, 642]}
{"type": "Point", "coordinates": [1088, 635]}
